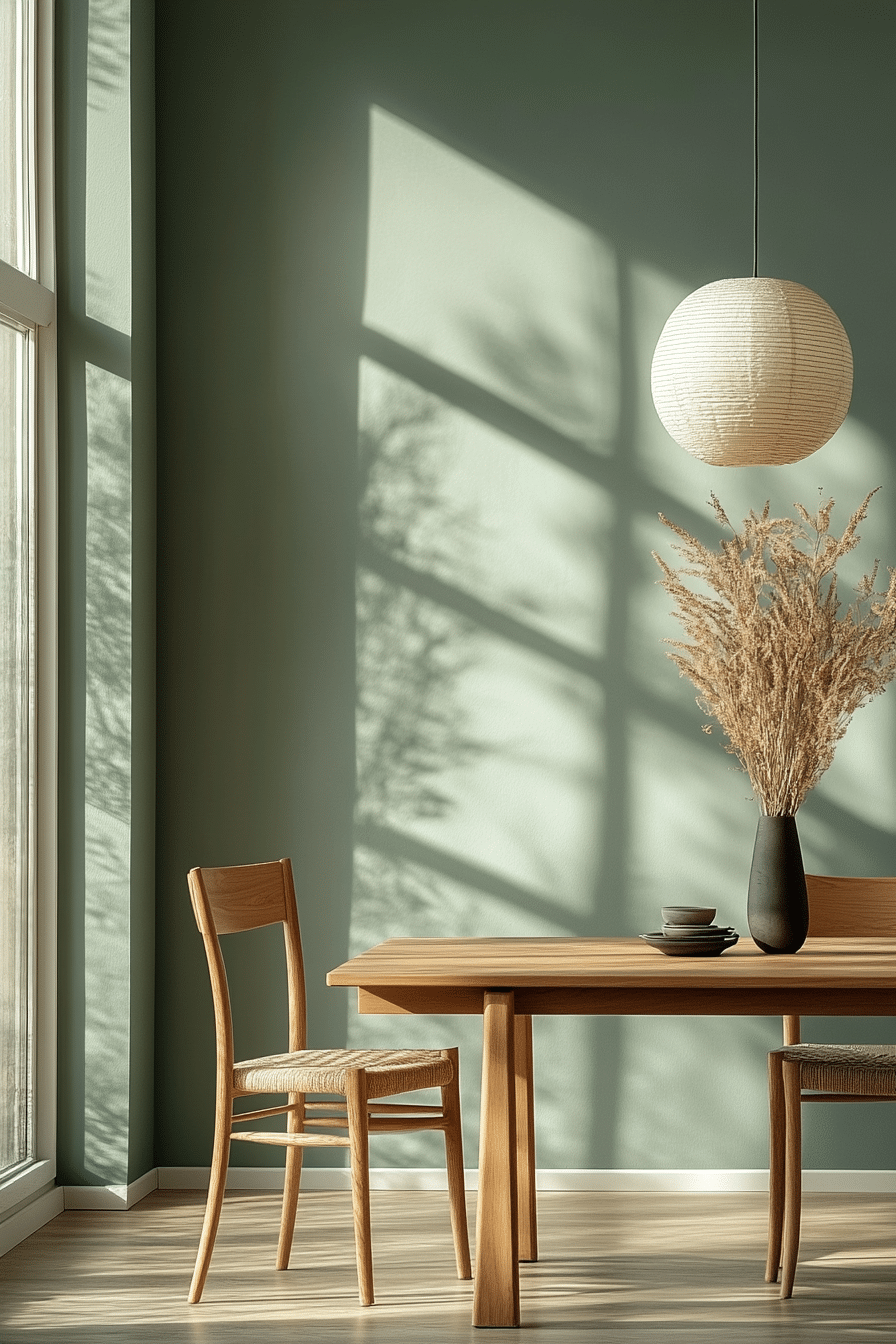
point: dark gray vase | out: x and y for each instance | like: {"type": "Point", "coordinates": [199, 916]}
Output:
{"type": "Point", "coordinates": [777, 905]}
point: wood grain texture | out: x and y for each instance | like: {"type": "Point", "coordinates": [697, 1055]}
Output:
{"type": "Point", "coordinates": [793, 1184]}
{"type": "Point", "coordinates": [454, 1161]}
{"type": "Point", "coordinates": [356, 1103]}
{"type": "Point", "coordinates": [496, 1299]}
{"type": "Point", "coordinates": [525, 1137]}
{"type": "Point", "coordinates": [850, 907]}
{"type": "Point", "coordinates": [614, 1268]}
{"type": "Point", "coordinates": [246, 897]}
{"type": "Point", "coordinates": [608, 963]}
{"type": "Point", "coordinates": [777, 1130]}
{"type": "Point", "coordinates": [791, 1029]}
{"type": "Point", "coordinates": [728, 999]}
{"type": "Point", "coordinates": [291, 1184]}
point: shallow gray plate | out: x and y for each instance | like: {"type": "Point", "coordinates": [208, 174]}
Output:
{"type": "Point", "coordinates": [696, 931]}
{"type": "Point", "coordinates": [690, 947]}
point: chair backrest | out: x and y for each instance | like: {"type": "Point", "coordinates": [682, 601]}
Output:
{"type": "Point", "coordinates": [851, 907]}
{"type": "Point", "coordinates": [234, 900]}
{"type": "Point", "coordinates": [846, 907]}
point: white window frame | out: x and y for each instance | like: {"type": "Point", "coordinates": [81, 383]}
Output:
{"type": "Point", "coordinates": [33, 302]}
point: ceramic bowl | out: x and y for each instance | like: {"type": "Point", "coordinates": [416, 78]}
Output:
{"type": "Point", "coordinates": [688, 914]}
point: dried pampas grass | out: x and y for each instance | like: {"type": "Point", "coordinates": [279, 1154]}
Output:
{"type": "Point", "coordinates": [774, 660]}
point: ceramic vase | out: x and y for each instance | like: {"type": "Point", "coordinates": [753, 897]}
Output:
{"type": "Point", "coordinates": [777, 905]}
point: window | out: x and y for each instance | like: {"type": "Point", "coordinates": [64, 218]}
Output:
{"type": "Point", "coordinates": [16, 739]}
{"type": "Point", "coordinates": [27, 387]}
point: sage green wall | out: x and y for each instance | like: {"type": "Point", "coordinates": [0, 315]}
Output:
{"type": "Point", "coordinates": [490, 209]}
{"type": "Point", "coordinates": [105, 199]}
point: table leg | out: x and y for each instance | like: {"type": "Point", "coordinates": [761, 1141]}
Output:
{"type": "Point", "coordinates": [496, 1295]}
{"type": "Point", "coordinates": [525, 1137]}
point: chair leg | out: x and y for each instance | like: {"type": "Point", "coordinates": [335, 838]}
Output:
{"type": "Point", "coordinates": [454, 1161]}
{"type": "Point", "coordinates": [295, 1123]}
{"type": "Point", "coordinates": [358, 1133]}
{"type": "Point", "coordinates": [776, 1132]}
{"type": "Point", "coordinates": [216, 1184]}
{"type": "Point", "coordinates": [793, 1179]}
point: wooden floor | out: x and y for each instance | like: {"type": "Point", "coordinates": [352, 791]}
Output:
{"type": "Point", "coordinates": [626, 1267]}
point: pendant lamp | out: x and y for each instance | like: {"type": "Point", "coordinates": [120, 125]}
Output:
{"type": "Point", "coordinates": [752, 371]}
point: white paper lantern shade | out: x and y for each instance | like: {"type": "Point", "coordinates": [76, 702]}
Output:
{"type": "Point", "coordinates": [752, 372]}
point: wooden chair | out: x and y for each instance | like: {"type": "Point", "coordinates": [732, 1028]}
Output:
{"type": "Point", "coordinates": [231, 900]}
{"type": "Point", "coordinates": [858, 907]}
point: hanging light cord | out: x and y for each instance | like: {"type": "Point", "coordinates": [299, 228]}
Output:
{"type": "Point", "coordinates": [755, 138]}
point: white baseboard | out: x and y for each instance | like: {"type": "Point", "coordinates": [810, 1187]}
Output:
{"type": "Point", "coordinates": [850, 1182]}
{"type": "Point", "coordinates": [433, 1178]}
{"type": "Point", "coordinates": [664, 1181]}
{"type": "Point", "coordinates": [23, 1222]}
{"type": "Point", "coordinates": [110, 1196]}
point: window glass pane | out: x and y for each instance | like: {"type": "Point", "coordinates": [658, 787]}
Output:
{"type": "Point", "coordinates": [16, 121]}
{"type": "Point", "coordinates": [16, 735]}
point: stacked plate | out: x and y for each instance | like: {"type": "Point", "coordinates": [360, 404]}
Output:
{"type": "Point", "coordinates": [689, 931]}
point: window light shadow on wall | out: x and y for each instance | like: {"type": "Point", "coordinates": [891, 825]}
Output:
{"type": "Point", "coordinates": [528, 762]}
{"type": "Point", "coordinates": [107, 421]}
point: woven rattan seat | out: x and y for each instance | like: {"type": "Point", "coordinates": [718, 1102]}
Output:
{"type": "Point", "coordinates": [388, 1072]}
{"type": "Point", "coordinates": [866, 1069]}
{"type": "Point", "coordinates": [233, 900]}
{"type": "Point", "coordinates": [800, 1073]}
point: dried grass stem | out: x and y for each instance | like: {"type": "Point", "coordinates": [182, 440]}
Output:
{"type": "Point", "coordinates": [772, 656]}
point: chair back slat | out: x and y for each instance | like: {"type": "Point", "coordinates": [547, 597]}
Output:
{"type": "Point", "coordinates": [846, 907]}
{"type": "Point", "coordinates": [247, 897]}
{"type": "Point", "coordinates": [851, 907]}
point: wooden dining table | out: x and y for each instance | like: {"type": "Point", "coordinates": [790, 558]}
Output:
{"type": "Point", "coordinates": [507, 981]}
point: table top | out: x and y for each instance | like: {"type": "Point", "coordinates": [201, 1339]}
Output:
{"type": "Point", "coordinates": [629, 963]}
